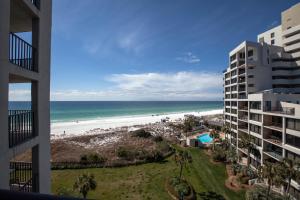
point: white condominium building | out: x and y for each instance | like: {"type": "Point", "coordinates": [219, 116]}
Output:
{"type": "Point", "coordinates": [262, 93]}
{"type": "Point", "coordinates": [25, 41]}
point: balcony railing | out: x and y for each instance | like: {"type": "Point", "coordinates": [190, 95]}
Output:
{"type": "Point", "coordinates": [275, 154]}
{"type": "Point", "coordinates": [21, 178]}
{"type": "Point", "coordinates": [36, 3]}
{"type": "Point", "coordinates": [245, 118]}
{"type": "Point", "coordinates": [280, 110]}
{"type": "Point", "coordinates": [21, 53]}
{"type": "Point", "coordinates": [243, 107]}
{"type": "Point", "coordinates": [20, 126]}
{"type": "Point", "coordinates": [274, 125]}
{"type": "Point", "coordinates": [274, 140]}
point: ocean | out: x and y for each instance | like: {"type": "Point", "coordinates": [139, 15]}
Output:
{"type": "Point", "coordinates": [79, 117]}
{"type": "Point", "coordinates": [66, 111]}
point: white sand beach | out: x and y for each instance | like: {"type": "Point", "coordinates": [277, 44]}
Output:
{"type": "Point", "coordinates": [67, 129]}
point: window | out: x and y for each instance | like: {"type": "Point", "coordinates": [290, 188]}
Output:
{"type": "Point", "coordinates": [255, 117]}
{"type": "Point", "coordinates": [272, 42]}
{"type": "Point", "coordinates": [255, 129]}
{"type": "Point", "coordinates": [242, 55]}
{"type": "Point", "coordinates": [293, 124]}
{"type": "Point", "coordinates": [293, 140]}
{"type": "Point", "coordinates": [250, 85]}
{"type": "Point", "coordinates": [255, 105]}
{"type": "Point", "coordinates": [250, 76]}
{"type": "Point", "coordinates": [272, 35]}
{"type": "Point", "coordinates": [250, 53]}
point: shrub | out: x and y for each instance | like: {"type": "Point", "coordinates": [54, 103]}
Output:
{"type": "Point", "coordinates": [141, 133]}
{"type": "Point", "coordinates": [181, 187]}
{"type": "Point", "coordinates": [211, 195]}
{"type": "Point", "coordinates": [247, 171]}
{"type": "Point", "coordinates": [157, 156]}
{"type": "Point", "coordinates": [236, 168]}
{"type": "Point", "coordinates": [83, 159]}
{"type": "Point", "coordinates": [95, 158]}
{"type": "Point", "coordinates": [219, 154]}
{"type": "Point", "coordinates": [124, 153]}
{"type": "Point", "coordinates": [260, 193]}
{"type": "Point", "coordinates": [158, 138]}
{"type": "Point", "coordinates": [163, 146]}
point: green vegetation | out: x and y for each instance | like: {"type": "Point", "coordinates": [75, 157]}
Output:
{"type": "Point", "coordinates": [147, 181]}
{"type": "Point", "coordinates": [141, 133]}
{"type": "Point", "coordinates": [181, 187]}
{"type": "Point", "coordinates": [92, 158]}
{"type": "Point", "coordinates": [84, 183]}
{"type": "Point", "coordinates": [215, 135]}
{"type": "Point", "coordinates": [260, 193]}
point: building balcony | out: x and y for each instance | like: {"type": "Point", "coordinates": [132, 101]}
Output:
{"type": "Point", "coordinates": [243, 129]}
{"type": "Point", "coordinates": [280, 110]}
{"type": "Point", "coordinates": [274, 126]}
{"type": "Point", "coordinates": [273, 154]}
{"type": "Point", "coordinates": [242, 80]}
{"type": "Point", "coordinates": [21, 53]}
{"type": "Point", "coordinates": [245, 108]}
{"type": "Point", "coordinates": [21, 177]}
{"type": "Point", "coordinates": [20, 126]}
{"type": "Point", "coordinates": [243, 118]}
{"type": "Point", "coordinates": [242, 96]}
{"type": "Point", "coordinates": [274, 140]}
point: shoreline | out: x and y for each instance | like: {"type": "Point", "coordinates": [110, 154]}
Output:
{"type": "Point", "coordinates": [102, 125]}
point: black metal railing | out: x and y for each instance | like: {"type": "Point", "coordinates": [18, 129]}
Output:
{"type": "Point", "coordinates": [36, 3]}
{"type": "Point", "coordinates": [21, 178]}
{"type": "Point", "coordinates": [20, 126]}
{"type": "Point", "coordinates": [21, 53]}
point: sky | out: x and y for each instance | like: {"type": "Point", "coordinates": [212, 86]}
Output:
{"type": "Point", "coordinates": [149, 49]}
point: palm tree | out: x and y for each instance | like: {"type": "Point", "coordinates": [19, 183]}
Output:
{"type": "Point", "coordinates": [231, 155]}
{"type": "Point", "coordinates": [84, 184]}
{"type": "Point", "coordinates": [246, 143]}
{"type": "Point", "coordinates": [289, 169]}
{"type": "Point", "coordinates": [214, 134]}
{"type": "Point", "coordinates": [188, 124]}
{"type": "Point", "coordinates": [270, 172]}
{"type": "Point", "coordinates": [181, 159]}
{"type": "Point", "coordinates": [226, 131]}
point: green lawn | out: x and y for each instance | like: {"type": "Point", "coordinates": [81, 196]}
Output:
{"type": "Point", "coordinates": [147, 181]}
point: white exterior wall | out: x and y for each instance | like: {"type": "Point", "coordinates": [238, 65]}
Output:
{"type": "Point", "coordinates": [267, 36]}
{"type": "Point", "coordinates": [11, 73]}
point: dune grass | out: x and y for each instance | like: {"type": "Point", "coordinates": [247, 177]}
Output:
{"type": "Point", "coordinates": [147, 181]}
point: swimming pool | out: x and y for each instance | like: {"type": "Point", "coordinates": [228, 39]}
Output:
{"type": "Point", "coordinates": [205, 138]}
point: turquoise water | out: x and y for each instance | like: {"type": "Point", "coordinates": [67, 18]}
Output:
{"type": "Point", "coordinates": [64, 111]}
{"type": "Point", "coordinates": [205, 138]}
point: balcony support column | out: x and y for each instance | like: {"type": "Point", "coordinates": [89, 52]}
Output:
{"type": "Point", "coordinates": [4, 83]}
{"type": "Point", "coordinates": [283, 135]}
{"type": "Point", "coordinates": [35, 169]}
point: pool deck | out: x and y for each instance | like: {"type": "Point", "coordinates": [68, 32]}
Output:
{"type": "Point", "coordinates": [195, 137]}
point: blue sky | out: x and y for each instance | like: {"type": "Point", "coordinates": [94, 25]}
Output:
{"type": "Point", "coordinates": [150, 49]}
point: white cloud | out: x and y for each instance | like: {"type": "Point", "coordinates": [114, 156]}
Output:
{"type": "Point", "coordinates": [189, 57]}
{"type": "Point", "coordinates": [148, 86]}
{"type": "Point", "coordinates": [19, 94]}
